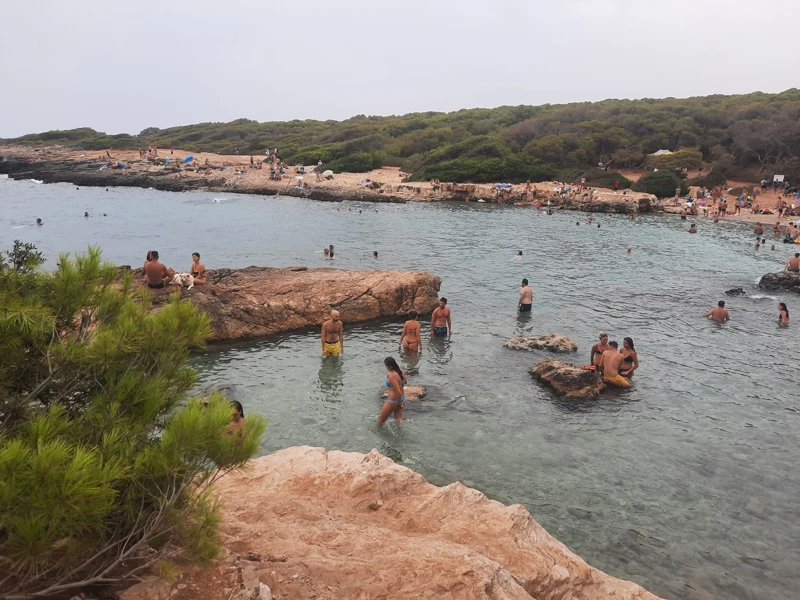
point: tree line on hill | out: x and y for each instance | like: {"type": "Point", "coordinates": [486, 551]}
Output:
{"type": "Point", "coordinates": [738, 137]}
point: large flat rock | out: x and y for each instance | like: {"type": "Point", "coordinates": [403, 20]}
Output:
{"type": "Point", "coordinates": [782, 280]}
{"type": "Point", "coordinates": [259, 301]}
{"type": "Point", "coordinates": [568, 380]}
{"type": "Point", "coordinates": [363, 526]}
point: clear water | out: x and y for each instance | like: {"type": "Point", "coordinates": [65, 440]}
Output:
{"type": "Point", "coordinates": [685, 484]}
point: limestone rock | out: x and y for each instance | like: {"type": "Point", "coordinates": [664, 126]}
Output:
{"type": "Point", "coordinates": [316, 508]}
{"type": "Point", "coordinates": [259, 301]}
{"type": "Point", "coordinates": [568, 380]}
{"type": "Point", "coordinates": [783, 280]}
{"type": "Point", "coordinates": [414, 393]}
{"type": "Point", "coordinates": [153, 589]}
{"type": "Point", "coordinates": [553, 342]}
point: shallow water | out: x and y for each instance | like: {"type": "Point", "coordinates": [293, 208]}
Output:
{"type": "Point", "coordinates": [685, 484]}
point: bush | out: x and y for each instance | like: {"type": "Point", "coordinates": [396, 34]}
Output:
{"type": "Point", "coordinates": [104, 466]}
{"type": "Point", "coordinates": [356, 163]}
{"type": "Point", "coordinates": [691, 159]}
{"type": "Point", "coordinates": [662, 184]}
{"type": "Point", "coordinates": [484, 170]}
{"type": "Point", "coordinates": [606, 179]}
{"type": "Point", "coordinates": [710, 180]}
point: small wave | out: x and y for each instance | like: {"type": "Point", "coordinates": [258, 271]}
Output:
{"type": "Point", "coordinates": [36, 180]}
{"type": "Point", "coordinates": [218, 199]}
{"type": "Point", "coordinates": [758, 279]}
{"type": "Point", "coordinates": [763, 296]}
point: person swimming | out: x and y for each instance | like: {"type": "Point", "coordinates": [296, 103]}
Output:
{"type": "Point", "coordinates": [783, 314]}
{"type": "Point", "coordinates": [396, 400]}
{"type": "Point", "coordinates": [39, 222]}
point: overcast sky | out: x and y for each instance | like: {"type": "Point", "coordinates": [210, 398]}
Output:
{"type": "Point", "coordinates": [123, 66]}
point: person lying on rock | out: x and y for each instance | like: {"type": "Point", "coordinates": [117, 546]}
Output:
{"type": "Point", "coordinates": [332, 336]}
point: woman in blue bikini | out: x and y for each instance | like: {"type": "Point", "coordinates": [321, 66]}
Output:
{"type": "Point", "coordinates": [395, 380]}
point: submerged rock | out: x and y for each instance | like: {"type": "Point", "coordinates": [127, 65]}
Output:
{"type": "Point", "coordinates": [783, 280]}
{"type": "Point", "coordinates": [553, 342]}
{"type": "Point", "coordinates": [341, 517]}
{"type": "Point", "coordinates": [735, 292]}
{"type": "Point", "coordinates": [568, 380]}
{"type": "Point", "coordinates": [414, 393]}
{"type": "Point", "coordinates": [259, 301]}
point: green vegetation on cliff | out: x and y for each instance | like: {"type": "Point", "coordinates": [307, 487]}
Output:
{"type": "Point", "coordinates": [753, 131]}
{"type": "Point", "coordinates": [104, 465]}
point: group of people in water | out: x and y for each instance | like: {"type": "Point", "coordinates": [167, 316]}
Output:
{"type": "Point", "coordinates": [615, 365]}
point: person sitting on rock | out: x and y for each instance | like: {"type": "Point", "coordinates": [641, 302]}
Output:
{"type": "Point", "coordinates": [596, 355]}
{"type": "Point", "coordinates": [198, 269]}
{"type": "Point", "coordinates": [155, 274]}
{"type": "Point", "coordinates": [793, 264]}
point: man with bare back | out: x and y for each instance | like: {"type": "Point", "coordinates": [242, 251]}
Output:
{"type": "Point", "coordinates": [612, 361]}
{"type": "Point", "coordinates": [155, 274]}
{"type": "Point", "coordinates": [332, 336]}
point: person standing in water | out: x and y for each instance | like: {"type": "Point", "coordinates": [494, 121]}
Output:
{"type": "Point", "coordinates": [525, 297]}
{"type": "Point", "coordinates": [718, 314]}
{"type": "Point", "coordinates": [440, 320]}
{"type": "Point", "coordinates": [629, 351]}
{"type": "Point", "coordinates": [410, 340]}
{"type": "Point", "coordinates": [783, 315]}
{"type": "Point", "coordinates": [596, 356]}
{"type": "Point", "coordinates": [396, 400]}
{"type": "Point", "coordinates": [332, 336]}
{"type": "Point", "coordinates": [330, 251]}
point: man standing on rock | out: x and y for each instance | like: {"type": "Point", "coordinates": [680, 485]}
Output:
{"type": "Point", "coordinates": [332, 336]}
{"type": "Point", "coordinates": [525, 297]}
{"type": "Point", "coordinates": [440, 320]}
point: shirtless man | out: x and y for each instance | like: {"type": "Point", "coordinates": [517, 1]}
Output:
{"type": "Point", "coordinates": [758, 229]}
{"type": "Point", "coordinates": [596, 357]}
{"type": "Point", "coordinates": [612, 361]}
{"type": "Point", "coordinates": [440, 320]}
{"type": "Point", "coordinates": [155, 274]}
{"type": "Point", "coordinates": [793, 264]}
{"type": "Point", "coordinates": [411, 340]}
{"type": "Point", "coordinates": [333, 336]}
{"type": "Point", "coordinates": [718, 314]}
{"type": "Point", "coordinates": [198, 269]}
{"type": "Point", "coordinates": [692, 229]}
{"type": "Point", "coordinates": [525, 297]}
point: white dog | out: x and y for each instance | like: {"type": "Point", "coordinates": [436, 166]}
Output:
{"type": "Point", "coordinates": [183, 279]}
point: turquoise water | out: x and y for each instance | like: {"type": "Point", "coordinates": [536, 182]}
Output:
{"type": "Point", "coordinates": [685, 483]}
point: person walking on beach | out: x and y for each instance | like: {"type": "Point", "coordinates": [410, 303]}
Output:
{"type": "Point", "coordinates": [596, 355]}
{"type": "Point", "coordinates": [440, 320]}
{"type": "Point", "coordinates": [525, 297]}
{"type": "Point", "coordinates": [396, 400]}
{"type": "Point", "coordinates": [332, 336]}
{"type": "Point", "coordinates": [783, 315]}
{"type": "Point", "coordinates": [718, 314]}
{"type": "Point", "coordinates": [410, 340]}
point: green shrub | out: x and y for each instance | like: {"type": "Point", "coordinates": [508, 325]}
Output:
{"type": "Point", "coordinates": [356, 163]}
{"type": "Point", "coordinates": [710, 180]}
{"type": "Point", "coordinates": [605, 179]}
{"type": "Point", "coordinates": [104, 466]}
{"type": "Point", "coordinates": [661, 183]}
{"type": "Point", "coordinates": [690, 159]}
{"type": "Point", "coordinates": [484, 170]}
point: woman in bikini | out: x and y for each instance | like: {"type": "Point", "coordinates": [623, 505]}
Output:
{"type": "Point", "coordinates": [395, 381]}
{"type": "Point", "coordinates": [198, 271]}
{"type": "Point", "coordinates": [783, 315]}
{"type": "Point", "coordinates": [628, 351]}
{"type": "Point", "coordinates": [411, 340]}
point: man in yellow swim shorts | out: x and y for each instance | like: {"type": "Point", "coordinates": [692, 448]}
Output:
{"type": "Point", "coordinates": [332, 336]}
{"type": "Point", "coordinates": [612, 361]}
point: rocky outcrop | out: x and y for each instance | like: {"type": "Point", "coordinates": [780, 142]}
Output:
{"type": "Point", "coordinates": [414, 393]}
{"type": "Point", "coordinates": [259, 301]}
{"type": "Point", "coordinates": [783, 280]}
{"type": "Point", "coordinates": [553, 343]}
{"type": "Point", "coordinates": [349, 525]}
{"type": "Point", "coordinates": [735, 292]}
{"type": "Point", "coordinates": [568, 380]}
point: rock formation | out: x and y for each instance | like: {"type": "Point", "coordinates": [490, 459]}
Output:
{"type": "Point", "coordinates": [259, 301]}
{"type": "Point", "coordinates": [553, 342]}
{"type": "Point", "coordinates": [568, 380]}
{"type": "Point", "coordinates": [783, 280]}
{"type": "Point", "coordinates": [348, 525]}
{"type": "Point", "coordinates": [414, 393]}
{"type": "Point", "coordinates": [735, 292]}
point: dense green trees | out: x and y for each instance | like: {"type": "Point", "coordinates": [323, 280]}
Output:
{"type": "Point", "coordinates": [104, 465]}
{"type": "Point", "coordinates": [516, 142]}
{"type": "Point", "coordinates": [661, 183]}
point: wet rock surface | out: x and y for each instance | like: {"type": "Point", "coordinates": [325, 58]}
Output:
{"type": "Point", "coordinates": [553, 343]}
{"type": "Point", "coordinates": [568, 380]}
{"type": "Point", "coordinates": [783, 280]}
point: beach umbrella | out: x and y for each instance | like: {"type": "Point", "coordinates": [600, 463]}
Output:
{"type": "Point", "coordinates": [188, 159]}
{"type": "Point", "coordinates": [327, 173]}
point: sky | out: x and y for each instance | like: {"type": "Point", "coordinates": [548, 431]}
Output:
{"type": "Point", "coordinates": [124, 66]}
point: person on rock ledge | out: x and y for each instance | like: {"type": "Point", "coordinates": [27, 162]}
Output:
{"type": "Point", "coordinates": [332, 336]}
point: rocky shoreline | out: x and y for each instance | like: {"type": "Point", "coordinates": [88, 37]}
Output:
{"type": "Point", "coordinates": [261, 301]}
{"type": "Point", "coordinates": [306, 523]}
